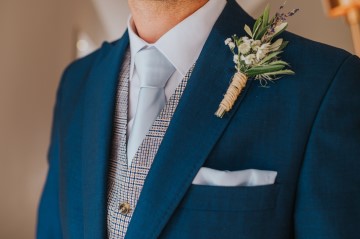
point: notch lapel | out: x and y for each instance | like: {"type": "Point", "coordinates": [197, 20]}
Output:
{"type": "Point", "coordinates": [193, 131]}
{"type": "Point", "coordinates": [99, 106]}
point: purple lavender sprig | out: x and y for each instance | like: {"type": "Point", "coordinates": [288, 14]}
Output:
{"type": "Point", "coordinates": [265, 29]}
{"type": "Point", "coordinates": [280, 19]}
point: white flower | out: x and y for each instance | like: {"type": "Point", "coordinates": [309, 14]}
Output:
{"type": "Point", "coordinates": [231, 45]}
{"type": "Point", "coordinates": [236, 59]}
{"type": "Point", "coordinates": [249, 60]}
{"type": "Point", "coordinates": [246, 40]}
{"type": "Point", "coordinates": [262, 51]}
{"type": "Point", "coordinates": [255, 45]}
{"type": "Point", "coordinates": [244, 48]}
{"type": "Point", "coordinates": [227, 41]}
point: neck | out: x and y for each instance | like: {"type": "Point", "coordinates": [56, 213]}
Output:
{"type": "Point", "coordinates": [153, 18]}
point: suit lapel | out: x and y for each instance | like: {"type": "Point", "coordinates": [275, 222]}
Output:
{"type": "Point", "coordinates": [99, 108]}
{"type": "Point", "coordinates": [193, 131]}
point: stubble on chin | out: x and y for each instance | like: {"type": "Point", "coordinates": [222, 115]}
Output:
{"type": "Point", "coordinates": [159, 6]}
{"type": "Point", "coordinates": [160, 2]}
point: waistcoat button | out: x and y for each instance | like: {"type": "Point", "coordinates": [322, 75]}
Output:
{"type": "Point", "coordinates": [125, 208]}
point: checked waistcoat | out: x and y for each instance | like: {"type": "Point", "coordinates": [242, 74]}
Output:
{"type": "Point", "coordinates": [126, 182]}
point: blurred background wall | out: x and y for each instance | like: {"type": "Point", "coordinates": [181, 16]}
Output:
{"type": "Point", "coordinates": [38, 39]}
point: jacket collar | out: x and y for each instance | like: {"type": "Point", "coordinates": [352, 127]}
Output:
{"type": "Point", "coordinates": [99, 107]}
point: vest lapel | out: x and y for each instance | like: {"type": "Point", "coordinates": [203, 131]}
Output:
{"type": "Point", "coordinates": [193, 131]}
{"type": "Point", "coordinates": [99, 108]}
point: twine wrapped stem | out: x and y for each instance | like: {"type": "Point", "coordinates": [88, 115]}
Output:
{"type": "Point", "coordinates": [238, 83]}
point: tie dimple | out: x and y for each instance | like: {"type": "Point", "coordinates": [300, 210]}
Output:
{"type": "Point", "coordinates": [154, 70]}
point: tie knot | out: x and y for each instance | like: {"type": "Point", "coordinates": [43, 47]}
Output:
{"type": "Point", "coordinates": [153, 68]}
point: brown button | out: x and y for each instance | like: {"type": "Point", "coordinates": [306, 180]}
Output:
{"type": "Point", "coordinates": [125, 208]}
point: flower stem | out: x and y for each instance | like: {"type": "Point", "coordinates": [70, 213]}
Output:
{"type": "Point", "coordinates": [238, 83]}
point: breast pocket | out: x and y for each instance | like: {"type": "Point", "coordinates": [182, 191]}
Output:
{"type": "Point", "coordinates": [226, 212]}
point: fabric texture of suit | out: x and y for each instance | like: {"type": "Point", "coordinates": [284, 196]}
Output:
{"type": "Point", "coordinates": [306, 127]}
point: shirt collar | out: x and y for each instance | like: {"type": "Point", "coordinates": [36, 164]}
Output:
{"type": "Point", "coordinates": [183, 43]}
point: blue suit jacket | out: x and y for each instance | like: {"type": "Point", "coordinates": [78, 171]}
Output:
{"type": "Point", "coordinates": [306, 127]}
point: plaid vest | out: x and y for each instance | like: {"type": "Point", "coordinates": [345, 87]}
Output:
{"type": "Point", "coordinates": [125, 183]}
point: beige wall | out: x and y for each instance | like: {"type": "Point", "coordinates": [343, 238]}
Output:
{"type": "Point", "coordinates": [114, 15]}
{"type": "Point", "coordinates": [36, 42]}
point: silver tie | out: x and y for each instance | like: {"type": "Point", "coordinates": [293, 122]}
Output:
{"type": "Point", "coordinates": [154, 71]}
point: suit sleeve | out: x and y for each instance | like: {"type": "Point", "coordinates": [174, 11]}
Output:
{"type": "Point", "coordinates": [48, 224]}
{"type": "Point", "coordinates": [328, 194]}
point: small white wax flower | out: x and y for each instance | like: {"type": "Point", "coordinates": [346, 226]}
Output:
{"type": "Point", "coordinates": [246, 40]}
{"type": "Point", "coordinates": [244, 48]}
{"type": "Point", "coordinates": [262, 51]}
{"type": "Point", "coordinates": [249, 60]}
{"type": "Point", "coordinates": [255, 45]}
{"type": "Point", "coordinates": [231, 45]}
{"type": "Point", "coordinates": [260, 54]}
{"type": "Point", "coordinates": [236, 59]}
{"type": "Point", "coordinates": [227, 41]}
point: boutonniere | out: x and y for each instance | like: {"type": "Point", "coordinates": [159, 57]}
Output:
{"type": "Point", "coordinates": [257, 55]}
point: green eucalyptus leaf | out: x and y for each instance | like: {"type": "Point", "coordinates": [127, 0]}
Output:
{"type": "Point", "coordinates": [248, 31]}
{"type": "Point", "coordinates": [276, 45]}
{"type": "Point", "coordinates": [279, 63]}
{"type": "Point", "coordinates": [257, 25]}
{"type": "Point", "coordinates": [277, 66]}
{"type": "Point", "coordinates": [283, 45]}
{"type": "Point", "coordinates": [266, 16]}
{"type": "Point", "coordinates": [280, 29]}
{"type": "Point", "coordinates": [258, 70]}
{"type": "Point", "coordinates": [269, 57]}
{"type": "Point", "coordinates": [260, 33]}
{"type": "Point", "coordinates": [281, 72]}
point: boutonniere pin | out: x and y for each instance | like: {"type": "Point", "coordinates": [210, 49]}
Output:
{"type": "Point", "coordinates": [257, 55]}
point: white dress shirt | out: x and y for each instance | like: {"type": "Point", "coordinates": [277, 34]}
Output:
{"type": "Point", "coordinates": [181, 46]}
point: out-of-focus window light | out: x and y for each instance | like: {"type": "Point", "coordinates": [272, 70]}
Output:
{"type": "Point", "coordinates": [84, 45]}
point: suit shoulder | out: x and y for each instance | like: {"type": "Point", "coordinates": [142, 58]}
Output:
{"type": "Point", "coordinates": [314, 60]}
{"type": "Point", "coordinates": [316, 66]}
{"type": "Point", "coordinates": [315, 51]}
{"type": "Point", "coordinates": [82, 64]}
{"type": "Point", "coordinates": [78, 70]}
